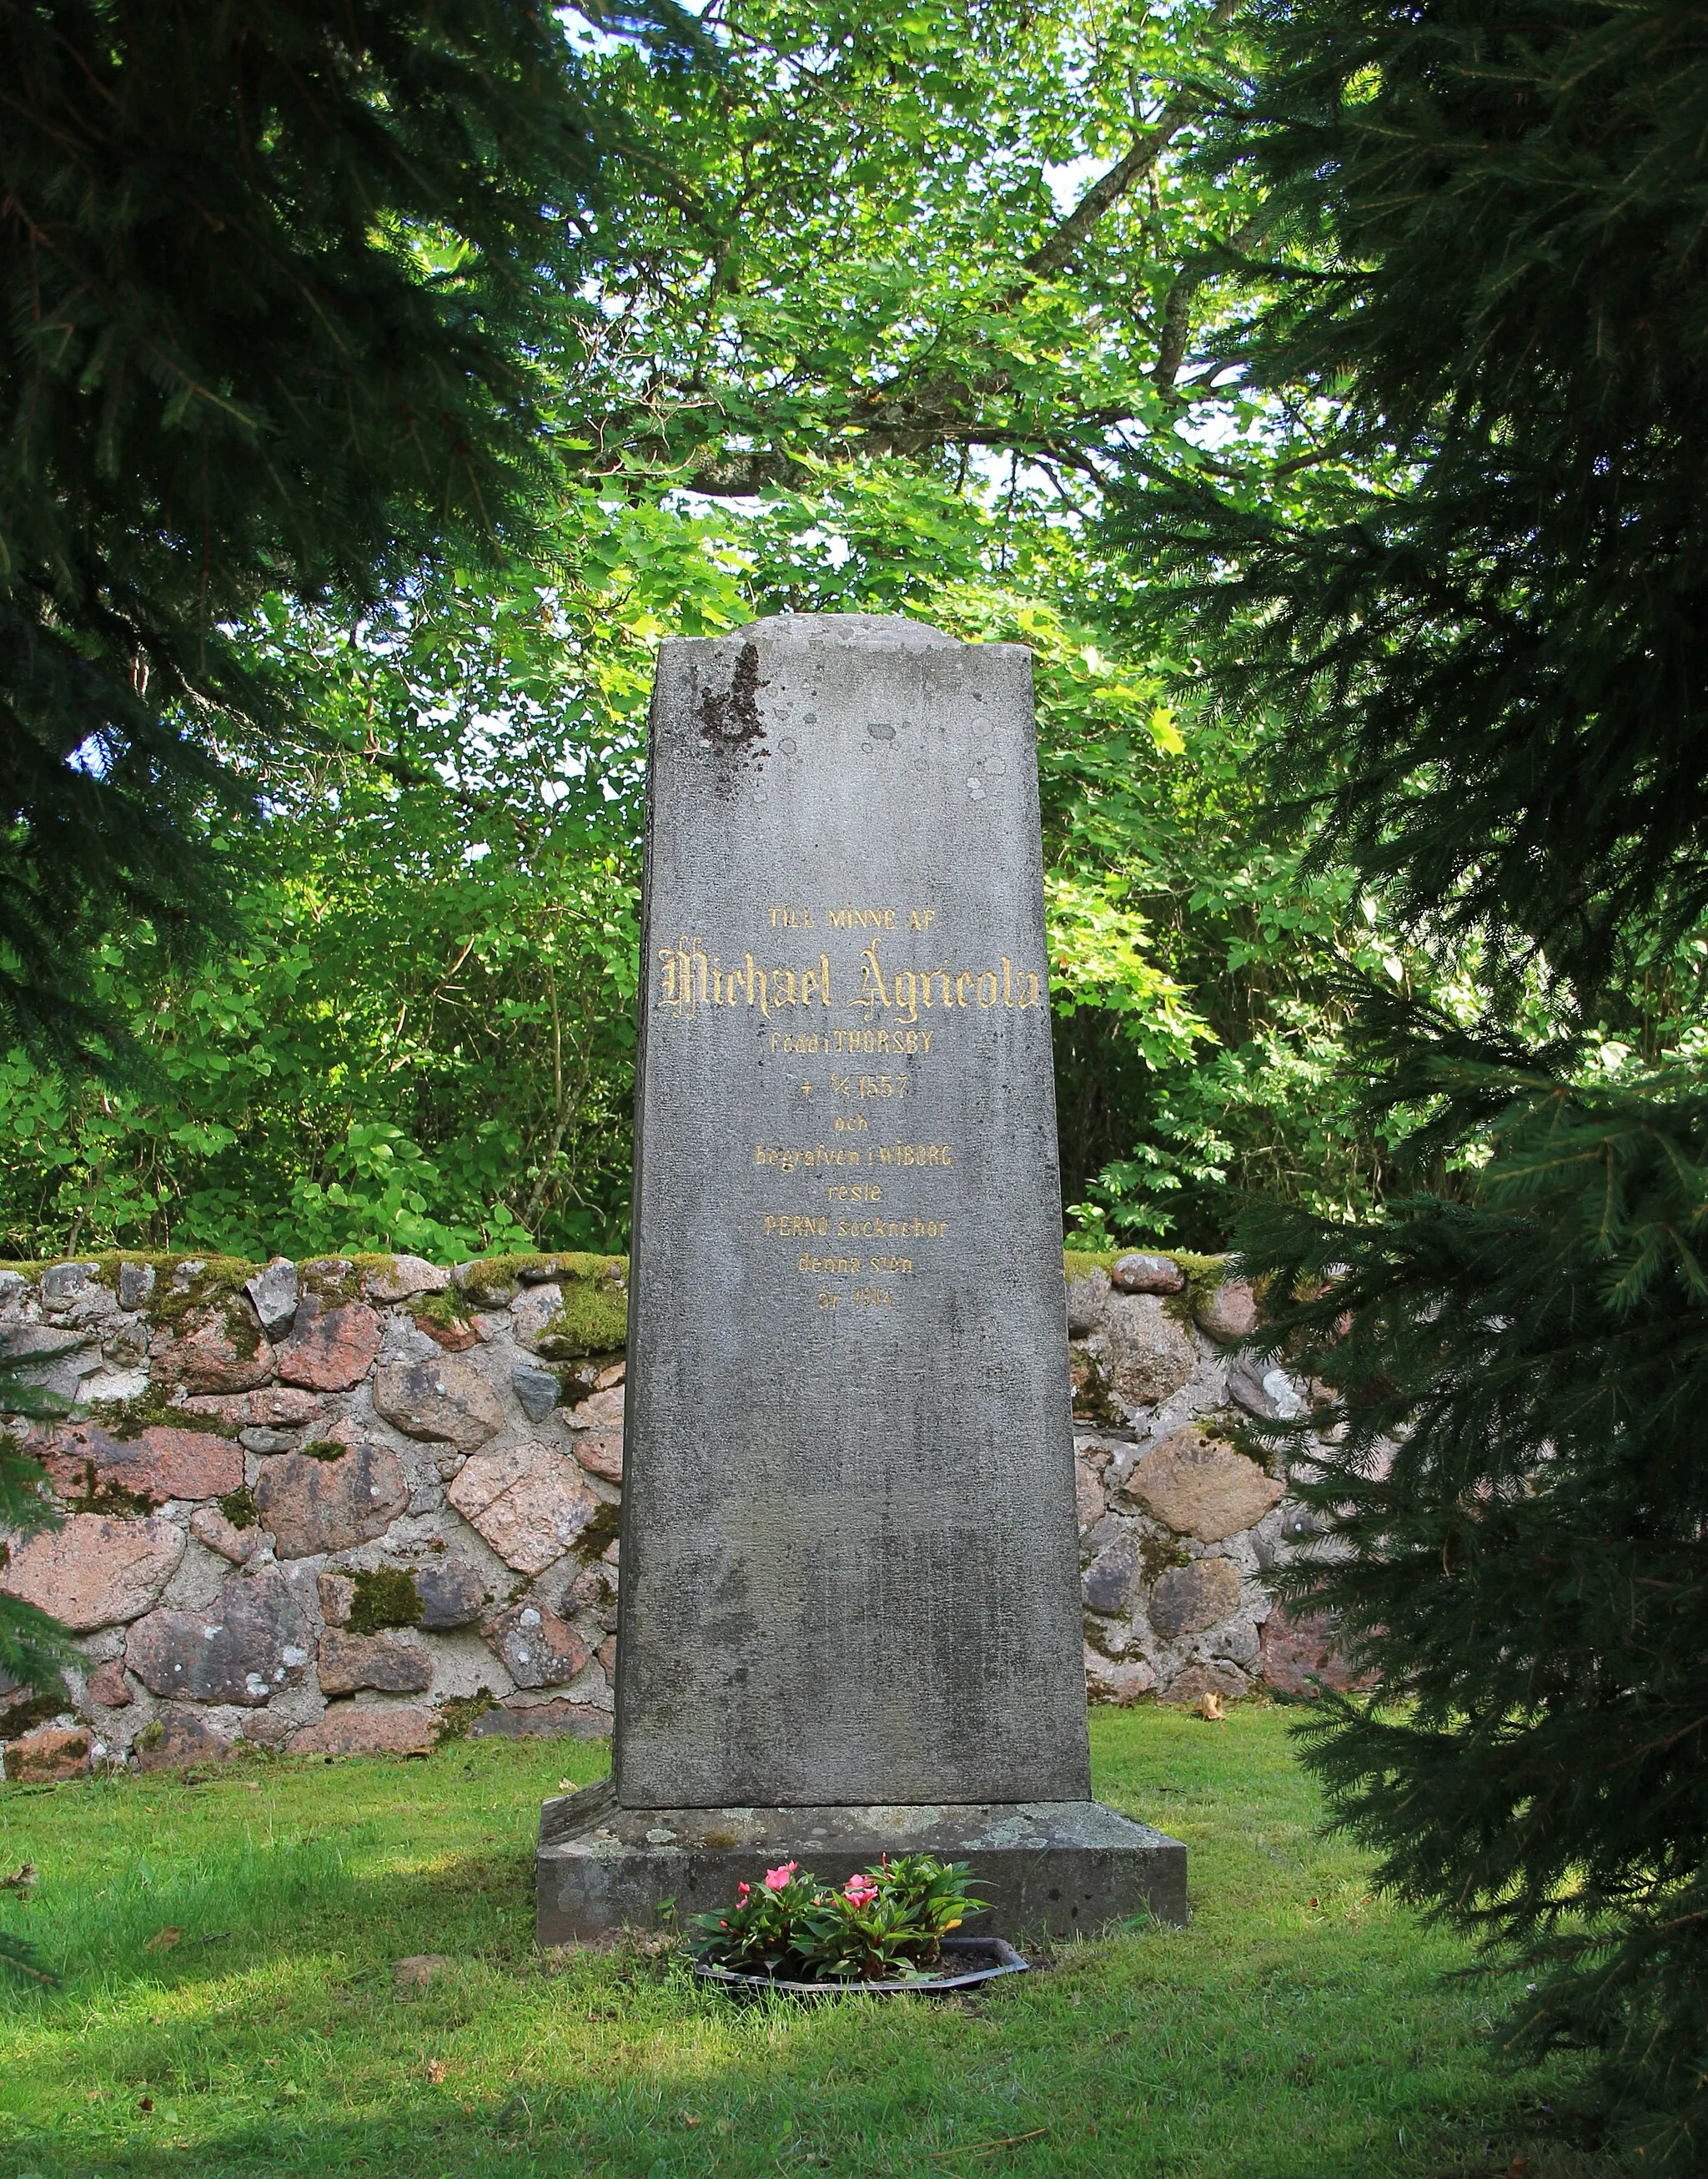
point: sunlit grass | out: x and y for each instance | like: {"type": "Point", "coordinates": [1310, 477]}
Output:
{"type": "Point", "coordinates": [1300, 2027]}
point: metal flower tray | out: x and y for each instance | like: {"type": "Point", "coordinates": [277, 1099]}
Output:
{"type": "Point", "coordinates": [986, 1958]}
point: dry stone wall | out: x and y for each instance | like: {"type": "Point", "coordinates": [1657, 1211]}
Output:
{"type": "Point", "coordinates": [1184, 1508]}
{"type": "Point", "coordinates": [350, 1506]}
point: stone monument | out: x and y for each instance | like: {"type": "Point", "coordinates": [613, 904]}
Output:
{"type": "Point", "coordinates": [850, 1575]}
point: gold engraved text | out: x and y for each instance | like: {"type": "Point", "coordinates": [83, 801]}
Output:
{"type": "Point", "coordinates": [908, 990]}
{"type": "Point", "coordinates": [689, 981]}
{"type": "Point", "coordinates": [791, 1160]}
{"type": "Point", "coordinates": [891, 1229]}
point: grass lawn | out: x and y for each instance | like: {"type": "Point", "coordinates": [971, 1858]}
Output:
{"type": "Point", "coordinates": [1300, 2027]}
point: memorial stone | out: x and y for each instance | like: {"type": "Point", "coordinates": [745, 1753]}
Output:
{"type": "Point", "coordinates": [850, 1608]}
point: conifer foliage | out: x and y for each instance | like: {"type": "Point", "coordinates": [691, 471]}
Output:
{"type": "Point", "coordinates": [277, 281]}
{"type": "Point", "coordinates": [1482, 600]}
{"type": "Point", "coordinates": [1485, 603]}
{"type": "Point", "coordinates": [1521, 1500]}
{"type": "Point", "coordinates": [34, 1650]}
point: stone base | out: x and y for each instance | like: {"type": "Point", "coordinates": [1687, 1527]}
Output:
{"type": "Point", "coordinates": [1049, 1867]}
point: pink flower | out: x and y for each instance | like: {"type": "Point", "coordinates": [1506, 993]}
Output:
{"type": "Point", "coordinates": [741, 1891]}
{"type": "Point", "coordinates": [859, 1890]}
{"type": "Point", "coordinates": [777, 1879]}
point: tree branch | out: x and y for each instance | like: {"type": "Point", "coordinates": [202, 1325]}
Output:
{"type": "Point", "coordinates": [1147, 146]}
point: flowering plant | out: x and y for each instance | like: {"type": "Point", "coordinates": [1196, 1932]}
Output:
{"type": "Point", "coordinates": [885, 1924]}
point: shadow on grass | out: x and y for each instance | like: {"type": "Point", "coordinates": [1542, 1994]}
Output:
{"type": "Point", "coordinates": [772, 2108]}
{"type": "Point", "coordinates": [201, 1925]}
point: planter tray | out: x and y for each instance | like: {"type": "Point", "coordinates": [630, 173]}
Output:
{"type": "Point", "coordinates": [986, 1958]}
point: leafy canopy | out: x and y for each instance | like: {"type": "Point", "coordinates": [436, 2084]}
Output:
{"type": "Point", "coordinates": [418, 1034]}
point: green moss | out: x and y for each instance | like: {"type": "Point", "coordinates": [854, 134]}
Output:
{"type": "Point", "coordinates": [129, 1419]}
{"type": "Point", "coordinates": [600, 1531]}
{"type": "Point", "coordinates": [459, 1713]}
{"type": "Point", "coordinates": [239, 1507]}
{"type": "Point", "coordinates": [448, 1310]}
{"type": "Point", "coordinates": [1157, 1555]}
{"type": "Point", "coordinates": [386, 1597]}
{"type": "Point", "coordinates": [487, 1282]}
{"type": "Point", "coordinates": [221, 1278]}
{"type": "Point", "coordinates": [575, 1381]}
{"type": "Point", "coordinates": [1203, 1273]}
{"type": "Point", "coordinates": [107, 1262]}
{"type": "Point", "coordinates": [325, 1448]}
{"type": "Point", "coordinates": [335, 1280]}
{"type": "Point", "coordinates": [1241, 1435]}
{"type": "Point", "coordinates": [593, 1319]}
{"type": "Point", "coordinates": [243, 1329]}
{"type": "Point", "coordinates": [1093, 1398]}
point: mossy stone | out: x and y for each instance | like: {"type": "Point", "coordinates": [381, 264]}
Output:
{"type": "Point", "coordinates": [385, 1596]}
{"type": "Point", "coordinates": [593, 1320]}
{"type": "Point", "coordinates": [239, 1507]}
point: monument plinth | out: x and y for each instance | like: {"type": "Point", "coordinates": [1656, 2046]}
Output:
{"type": "Point", "coordinates": [850, 1575]}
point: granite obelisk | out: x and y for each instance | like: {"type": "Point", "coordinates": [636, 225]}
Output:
{"type": "Point", "coordinates": [849, 1567]}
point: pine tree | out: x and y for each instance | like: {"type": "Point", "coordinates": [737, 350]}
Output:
{"type": "Point", "coordinates": [279, 283]}
{"type": "Point", "coordinates": [1482, 603]}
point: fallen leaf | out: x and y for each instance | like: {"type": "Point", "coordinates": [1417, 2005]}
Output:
{"type": "Point", "coordinates": [436, 2070]}
{"type": "Point", "coordinates": [146, 2103]}
{"type": "Point", "coordinates": [163, 1940]}
{"type": "Point", "coordinates": [566, 1785]}
{"type": "Point", "coordinates": [1210, 1707]}
{"type": "Point", "coordinates": [1520, 2168]}
{"type": "Point", "coordinates": [688, 2118]}
{"type": "Point", "coordinates": [22, 1881]}
{"type": "Point", "coordinates": [249, 1785]}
